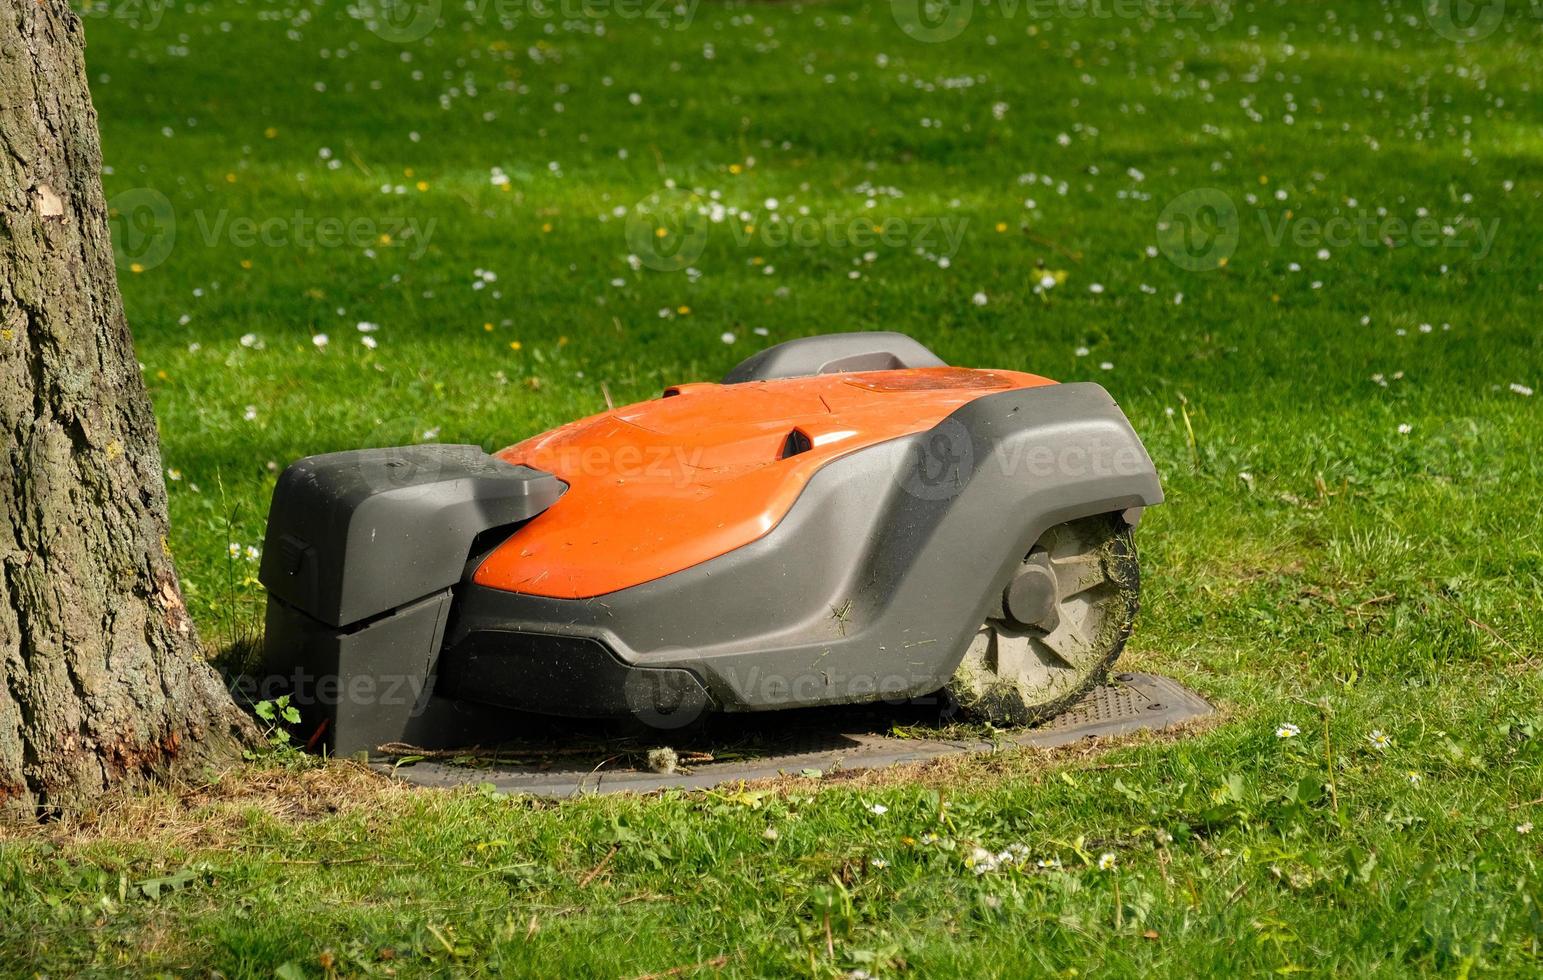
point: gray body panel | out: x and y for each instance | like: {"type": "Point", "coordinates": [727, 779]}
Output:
{"type": "Point", "coordinates": [876, 579]}
{"type": "Point", "coordinates": [362, 553]}
{"type": "Point", "coordinates": [351, 535]}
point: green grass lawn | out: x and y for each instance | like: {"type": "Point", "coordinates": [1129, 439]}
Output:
{"type": "Point", "coordinates": [1341, 411]}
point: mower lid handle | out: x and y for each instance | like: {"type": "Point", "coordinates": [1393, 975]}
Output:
{"type": "Point", "coordinates": [878, 350]}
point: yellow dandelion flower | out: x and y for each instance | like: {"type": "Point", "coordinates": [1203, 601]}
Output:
{"type": "Point", "coordinates": [230, 178]}
{"type": "Point", "coordinates": [136, 268]}
{"type": "Point", "coordinates": [246, 263]}
{"type": "Point", "coordinates": [546, 228]}
{"type": "Point", "coordinates": [683, 310]}
{"type": "Point", "coordinates": [1001, 227]}
{"type": "Point", "coordinates": [562, 341]}
{"type": "Point", "coordinates": [487, 327]}
{"type": "Point", "coordinates": [515, 345]}
{"type": "Point", "coordinates": [385, 239]}
{"type": "Point", "coordinates": [735, 168]}
{"type": "Point", "coordinates": [271, 133]}
{"type": "Point", "coordinates": [423, 185]}
{"type": "Point", "coordinates": [661, 232]}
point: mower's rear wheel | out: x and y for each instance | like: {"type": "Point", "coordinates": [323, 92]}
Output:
{"type": "Point", "coordinates": [1057, 627]}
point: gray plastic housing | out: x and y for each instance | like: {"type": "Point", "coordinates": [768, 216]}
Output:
{"type": "Point", "coordinates": [354, 534]}
{"type": "Point", "coordinates": [871, 351]}
{"type": "Point", "coordinates": [873, 583]}
{"type": "Point", "coordinates": [364, 550]}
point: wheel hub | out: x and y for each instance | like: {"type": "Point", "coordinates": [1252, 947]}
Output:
{"type": "Point", "coordinates": [1031, 597]}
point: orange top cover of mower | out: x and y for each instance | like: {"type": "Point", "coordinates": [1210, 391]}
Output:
{"type": "Point", "coordinates": [662, 485]}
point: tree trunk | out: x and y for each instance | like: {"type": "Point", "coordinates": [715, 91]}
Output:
{"type": "Point", "coordinates": [102, 682]}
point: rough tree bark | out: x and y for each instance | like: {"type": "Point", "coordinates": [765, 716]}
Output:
{"type": "Point", "coordinates": [102, 682]}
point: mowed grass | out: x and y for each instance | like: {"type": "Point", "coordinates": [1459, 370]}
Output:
{"type": "Point", "coordinates": [1344, 426]}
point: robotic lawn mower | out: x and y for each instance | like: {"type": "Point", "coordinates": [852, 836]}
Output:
{"type": "Point", "coordinates": [843, 519]}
